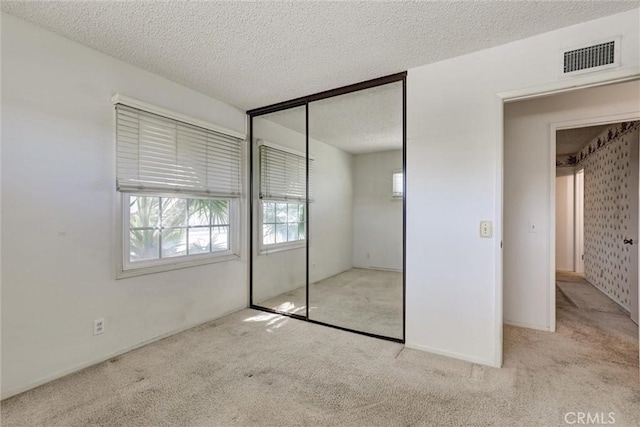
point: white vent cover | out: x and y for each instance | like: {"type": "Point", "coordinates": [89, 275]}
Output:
{"type": "Point", "coordinates": [592, 57]}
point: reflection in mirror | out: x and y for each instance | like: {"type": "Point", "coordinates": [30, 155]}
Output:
{"type": "Point", "coordinates": [357, 214]}
{"type": "Point", "coordinates": [279, 212]}
{"type": "Point", "coordinates": [356, 209]}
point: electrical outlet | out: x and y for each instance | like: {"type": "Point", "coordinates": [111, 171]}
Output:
{"type": "Point", "coordinates": [98, 326]}
{"type": "Point", "coordinates": [486, 229]}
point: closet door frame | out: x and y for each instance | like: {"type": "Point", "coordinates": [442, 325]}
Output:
{"type": "Point", "coordinates": [304, 101]}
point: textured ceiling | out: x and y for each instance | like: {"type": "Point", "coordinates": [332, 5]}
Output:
{"type": "Point", "coordinates": [359, 122]}
{"type": "Point", "coordinates": [251, 54]}
{"type": "Point", "coordinates": [570, 141]}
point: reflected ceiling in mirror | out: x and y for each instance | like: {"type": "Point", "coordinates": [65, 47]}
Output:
{"type": "Point", "coordinates": [365, 121]}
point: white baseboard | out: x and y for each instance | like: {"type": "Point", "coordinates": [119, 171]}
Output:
{"type": "Point", "coordinates": [528, 326]}
{"type": "Point", "coordinates": [372, 267]}
{"type": "Point", "coordinates": [453, 355]}
{"type": "Point", "coordinates": [68, 371]}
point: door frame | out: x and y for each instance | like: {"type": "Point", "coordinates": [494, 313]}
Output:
{"type": "Point", "coordinates": [501, 98]}
{"type": "Point", "coordinates": [553, 128]}
{"type": "Point", "coordinates": [305, 101]}
{"type": "Point", "coordinates": [578, 220]}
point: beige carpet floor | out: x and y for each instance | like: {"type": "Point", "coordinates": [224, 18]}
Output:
{"type": "Point", "coordinates": [256, 369]}
{"type": "Point", "coordinates": [360, 299]}
{"type": "Point", "coordinates": [569, 276]}
{"type": "Point", "coordinates": [584, 295]}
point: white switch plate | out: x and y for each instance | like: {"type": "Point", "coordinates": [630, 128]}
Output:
{"type": "Point", "coordinates": [486, 229]}
{"type": "Point", "coordinates": [98, 326]}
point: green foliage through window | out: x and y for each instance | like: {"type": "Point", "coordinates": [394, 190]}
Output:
{"type": "Point", "coordinates": [166, 227]}
{"type": "Point", "coordinates": [282, 222]}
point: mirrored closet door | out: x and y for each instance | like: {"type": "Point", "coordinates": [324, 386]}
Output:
{"type": "Point", "coordinates": [327, 211]}
{"type": "Point", "coordinates": [279, 220]}
{"type": "Point", "coordinates": [356, 214]}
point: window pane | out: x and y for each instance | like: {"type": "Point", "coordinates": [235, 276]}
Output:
{"type": "Point", "coordinates": [220, 212]}
{"type": "Point", "coordinates": [174, 242]}
{"type": "Point", "coordinates": [301, 231]}
{"type": "Point", "coordinates": [174, 212]}
{"type": "Point", "coordinates": [281, 212]}
{"type": "Point", "coordinates": [268, 234]}
{"type": "Point", "coordinates": [293, 213]}
{"type": "Point", "coordinates": [281, 233]}
{"type": "Point", "coordinates": [143, 211]}
{"type": "Point", "coordinates": [269, 213]}
{"type": "Point", "coordinates": [219, 238]}
{"type": "Point", "coordinates": [199, 212]}
{"type": "Point", "coordinates": [199, 239]}
{"type": "Point", "coordinates": [144, 245]}
{"type": "Point", "coordinates": [293, 232]}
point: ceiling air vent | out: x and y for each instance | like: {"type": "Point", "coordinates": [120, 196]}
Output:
{"type": "Point", "coordinates": [585, 59]}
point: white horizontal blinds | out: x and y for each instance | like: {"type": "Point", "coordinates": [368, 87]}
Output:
{"type": "Point", "coordinates": [283, 174]}
{"type": "Point", "coordinates": [161, 154]}
{"type": "Point", "coordinates": [398, 184]}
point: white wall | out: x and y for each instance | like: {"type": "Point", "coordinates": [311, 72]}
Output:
{"type": "Point", "coordinates": [565, 198]}
{"type": "Point", "coordinates": [454, 146]}
{"type": "Point", "coordinates": [331, 212]}
{"type": "Point", "coordinates": [377, 216]}
{"type": "Point", "coordinates": [331, 217]}
{"type": "Point", "coordinates": [59, 213]}
{"type": "Point", "coordinates": [527, 173]}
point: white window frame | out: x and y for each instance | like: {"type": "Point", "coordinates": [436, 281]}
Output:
{"type": "Point", "coordinates": [265, 249]}
{"type": "Point", "coordinates": [124, 267]}
{"type": "Point", "coordinates": [129, 268]}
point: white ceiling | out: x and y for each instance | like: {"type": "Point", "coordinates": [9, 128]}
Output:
{"type": "Point", "coordinates": [570, 141]}
{"type": "Point", "coordinates": [359, 122]}
{"type": "Point", "coordinates": [251, 54]}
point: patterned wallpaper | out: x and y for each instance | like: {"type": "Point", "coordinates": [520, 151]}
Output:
{"type": "Point", "coordinates": [607, 218]}
{"type": "Point", "coordinates": [610, 135]}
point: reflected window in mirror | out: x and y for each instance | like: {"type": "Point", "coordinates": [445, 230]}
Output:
{"type": "Point", "coordinates": [398, 184]}
{"type": "Point", "coordinates": [283, 224]}
{"type": "Point", "coordinates": [283, 183]}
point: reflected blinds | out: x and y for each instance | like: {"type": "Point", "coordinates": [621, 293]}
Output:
{"type": "Point", "coordinates": [160, 154]}
{"type": "Point", "coordinates": [283, 175]}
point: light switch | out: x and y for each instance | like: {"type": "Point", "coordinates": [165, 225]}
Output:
{"type": "Point", "coordinates": [486, 229]}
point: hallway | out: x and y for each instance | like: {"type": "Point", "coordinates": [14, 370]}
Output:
{"type": "Point", "coordinates": [584, 295]}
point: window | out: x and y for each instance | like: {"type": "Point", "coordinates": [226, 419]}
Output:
{"type": "Point", "coordinates": [282, 222]}
{"type": "Point", "coordinates": [180, 186]}
{"type": "Point", "coordinates": [283, 194]}
{"type": "Point", "coordinates": [161, 228]}
{"type": "Point", "coordinates": [398, 184]}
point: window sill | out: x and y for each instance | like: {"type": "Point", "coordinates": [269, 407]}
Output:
{"type": "Point", "coordinates": [178, 265]}
{"type": "Point", "coordinates": [266, 250]}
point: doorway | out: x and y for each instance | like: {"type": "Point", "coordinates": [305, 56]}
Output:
{"type": "Point", "coordinates": [597, 184]}
{"type": "Point", "coordinates": [529, 187]}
